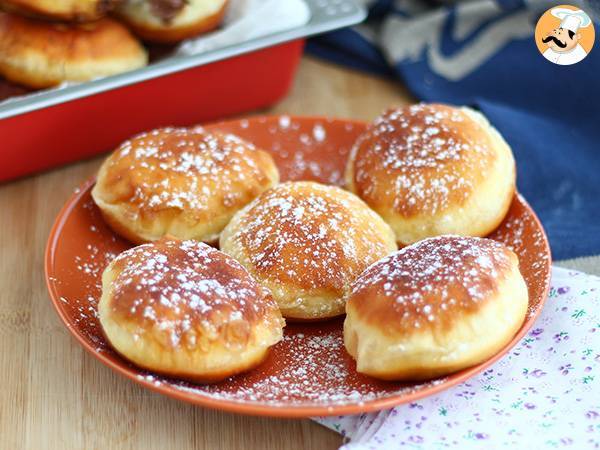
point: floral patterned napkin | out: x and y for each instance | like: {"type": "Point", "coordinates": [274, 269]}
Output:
{"type": "Point", "coordinates": [544, 394]}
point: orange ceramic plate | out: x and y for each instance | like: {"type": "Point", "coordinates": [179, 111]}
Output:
{"type": "Point", "coordinates": [309, 373]}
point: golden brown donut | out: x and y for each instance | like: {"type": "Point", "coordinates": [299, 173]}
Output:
{"type": "Point", "coordinates": [306, 243]}
{"type": "Point", "coordinates": [169, 21]}
{"type": "Point", "coordinates": [41, 54]}
{"type": "Point", "coordinates": [187, 310]}
{"type": "Point", "coordinates": [434, 307]}
{"type": "Point", "coordinates": [432, 169]}
{"type": "Point", "coordinates": [67, 10]}
{"type": "Point", "coordinates": [182, 182]}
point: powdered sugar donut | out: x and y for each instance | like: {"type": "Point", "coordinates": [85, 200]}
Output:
{"type": "Point", "coordinates": [434, 307]}
{"type": "Point", "coordinates": [307, 242]}
{"type": "Point", "coordinates": [182, 182]}
{"type": "Point", "coordinates": [433, 169]}
{"type": "Point", "coordinates": [187, 310]}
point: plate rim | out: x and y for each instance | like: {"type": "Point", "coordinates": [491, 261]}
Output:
{"type": "Point", "coordinates": [276, 409]}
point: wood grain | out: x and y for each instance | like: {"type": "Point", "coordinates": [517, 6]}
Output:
{"type": "Point", "coordinates": [56, 396]}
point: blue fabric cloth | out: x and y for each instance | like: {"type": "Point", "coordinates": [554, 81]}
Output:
{"type": "Point", "coordinates": [483, 54]}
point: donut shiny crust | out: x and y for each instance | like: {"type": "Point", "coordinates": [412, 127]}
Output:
{"type": "Point", "coordinates": [432, 169]}
{"type": "Point", "coordinates": [186, 183]}
{"type": "Point", "coordinates": [188, 310]}
{"type": "Point", "coordinates": [434, 307]}
{"type": "Point", "coordinates": [307, 242]}
{"type": "Point", "coordinates": [41, 54]}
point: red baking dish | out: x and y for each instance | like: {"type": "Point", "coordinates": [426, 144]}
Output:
{"type": "Point", "coordinates": [74, 130]}
{"type": "Point", "coordinates": [47, 129]}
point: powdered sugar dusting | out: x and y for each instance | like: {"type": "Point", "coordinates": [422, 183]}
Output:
{"type": "Point", "coordinates": [188, 293]}
{"type": "Point", "coordinates": [319, 133]}
{"type": "Point", "coordinates": [428, 281]}
{"type": "Point", "coordinates": [99, 247]}
{"type": "Point", "coordinates": [521, 233]}
{"type": "Point", "coordinates": [292, 370]}
{"type": "Point", "coordinates": [299, 143]}
{"type": "Point", "coordinates": [425, 155]}
{"type": "Point", "coordinates": [185, 169]}
{"type": "Point", "coordinates": [311, 235]}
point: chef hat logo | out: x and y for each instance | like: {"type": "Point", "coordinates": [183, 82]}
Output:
{"type": "Point", "coordinates": [565, 34]}
{"type": "Point", "coordinates": [570, 19]}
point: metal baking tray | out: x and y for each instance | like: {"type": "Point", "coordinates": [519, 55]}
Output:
{"type": "Point", "coordinates": [49, 128]}
{"type": "Point", "coordinates": [325, 15]}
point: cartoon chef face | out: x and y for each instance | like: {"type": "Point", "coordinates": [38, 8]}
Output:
{"type": "Point", "coordinates": [562, 40]}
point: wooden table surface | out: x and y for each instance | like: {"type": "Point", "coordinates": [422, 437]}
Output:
{"type": "Point", "coordinates": [53, 394]}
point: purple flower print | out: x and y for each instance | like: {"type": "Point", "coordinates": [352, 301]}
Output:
{"type": "Point", "coordinates": [592, 415]}
{"type": "Point", "coordinates": [537, 373]}
{"type": "Point", "coordinates": [537, 332]}
{"type": "Point", "coordinates": [416, 439]}
{"type": "Point", "coordinates": [562, 336]}
{"type": "Point", "coordinates": [529, 390]}
{"type": "Point", "coordinates": [565, 369]}
{"type": "Point", "coordinates": [481, 436]}
{"type": "Point", "coordinates": [563, 290]}
{"type": "Point", "coordinates": [466, 394]}
{"type": "Point", "coordinates": [529, 406]}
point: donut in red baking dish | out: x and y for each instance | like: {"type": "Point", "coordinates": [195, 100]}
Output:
{"type": "Point", "coordinates": [67, 10]}
{"type": "Point", "coordinates": [187, 310]}
{"type": "Point", "coordinates": [432, 169]}
{"type": "Point", "coordinates": [434, 307]}
{"type": "Point", "coordinates": [41, 54]}
{"type": "Point", "coordinates": [182, 182]}
{"type": "Point", "coordinates": [170, 21]}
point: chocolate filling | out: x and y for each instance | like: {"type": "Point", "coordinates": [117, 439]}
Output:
{"type": "Point", "coordinates": [166, 9]}
{"type": "Point", "coordinates": [105, 6]}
